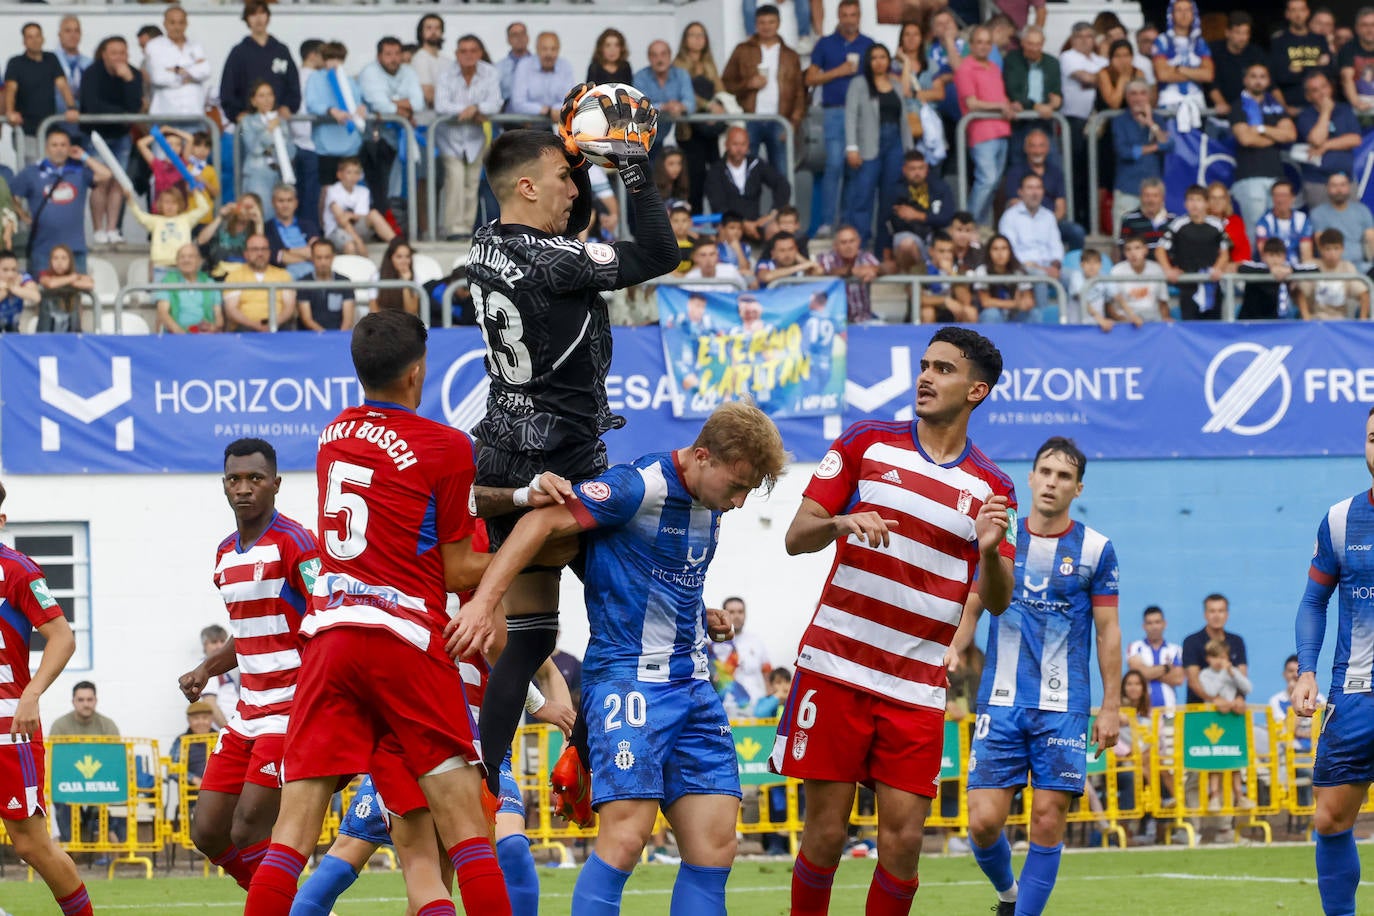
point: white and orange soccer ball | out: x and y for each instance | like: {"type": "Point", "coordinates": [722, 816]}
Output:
{"type": "Point", "coordinates": [589, 121]}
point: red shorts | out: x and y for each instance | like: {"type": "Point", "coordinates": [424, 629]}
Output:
{"type": "Point", "coordinates": [833, 732]}
{"type": "Point", "coordinates": [21, 779]}
{"type": "Point", "coordinates": [237, 760]}
{"type": "Point", "coordinates": [399, 790]}
{"type": "Point", "coordinates": [357, 686]}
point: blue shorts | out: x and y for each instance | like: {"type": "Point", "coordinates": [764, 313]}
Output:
{"type": "Point", "coordinates": [658, 741]}
{"type": "Point", "coordinates": [512, 802]}
{"type": "Point", "coordinates": [1345, 750]}
{"type": "Point", "coordinates": [1009, 741]}
{"type": "Point", "coordinates": [368, 820]}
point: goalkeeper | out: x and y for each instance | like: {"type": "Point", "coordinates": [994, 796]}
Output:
{"type": "Point", "coordinates": [537, 293]}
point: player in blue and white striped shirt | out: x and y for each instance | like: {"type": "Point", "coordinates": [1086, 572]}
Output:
{"type": "Point", "coordinates": [1344, 560]}
{"type": "Point", "coordinates": [1035, 699]}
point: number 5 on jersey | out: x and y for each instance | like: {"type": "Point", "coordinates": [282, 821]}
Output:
{"type": "Point", "coordinates": [352, 506]}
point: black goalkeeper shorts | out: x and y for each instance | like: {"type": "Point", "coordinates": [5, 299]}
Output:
{"type": "Point", "coordinates": [497, 467]}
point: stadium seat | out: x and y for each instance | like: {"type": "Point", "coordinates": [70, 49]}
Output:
{"type": "Point", "coordinates": [139, 272]}
{"type": "Point", "coordinates": [106, 279]}
{"type": "Point", "coordinates": [426, 269]}
{"type": "Point", "coordinates": [358, 269]}
{"type": "Point", "coordinates": [134, 324]}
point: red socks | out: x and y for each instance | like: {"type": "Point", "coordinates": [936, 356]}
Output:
{"type": "Point", "coordinates": [274, 883]}
{"type": "Point", "coordinates": [810, 888]}
{"type": "Point", "coordinates": [480, 882]}
{"type": "Point", "coordinates": [77, 903]}
{"type": "Point", "coordinates": [437, 908]}
{"type": "Point", "coordinates": [235, 866]}
{"type": "Point", "coordinates": [889, 895]}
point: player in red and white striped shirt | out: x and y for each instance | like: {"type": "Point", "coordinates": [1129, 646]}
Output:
{"type": "Point", "coordinates": [25, 606]}
{"type": "Point", "coordinates": [915, 511]}
{"type": "Point", "coordinates": [265, 571]}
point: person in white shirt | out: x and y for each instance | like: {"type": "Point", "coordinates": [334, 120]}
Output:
{"type": "Point", "coordinates": [1078, 67]}
{"type": "Point", "coordinates": [390, 87]}
{"type": "Point", "coordinates": [706, 266]}
{"type": "Point", "coordinates": [469, 91]}
{"type": "Point", "coordinates": [427, 59]}
{"type": "Point", "coordinates": [1143, 57]}
{"type": "Point", "coordinates": [348, 211]}
{"type": "Point", "coordinates": [177, 68]}
{"type": "Point", "coordinates": [741, 664]}
{"type": "Point", "coordinates": [1146, 297]}
{"type": "Point", "coordinates": [1034, 234]}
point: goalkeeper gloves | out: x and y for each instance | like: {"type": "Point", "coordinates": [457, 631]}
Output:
{"type": "Point", "coordinates": [631, 128]}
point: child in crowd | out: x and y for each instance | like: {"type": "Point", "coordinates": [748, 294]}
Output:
{"type": "Point", "coordinates": [262, 168]}
{"type": "Point", "coordinates": [1092, 307]}
{"type": "Point", "coordinates": [1195, 243]}
{"type": "Point", "coordinates": [680, 217]}
{"type": "Point", "coordinates": [349, 217]}
{"type": "Point", "coordinates": [165, 173]}
{"type": "Point", "coordinates": [731, 245]}
{"type": "Point", "coordinates": [17, 290]}
{"type": "Point", "coordinates": [779, 686]}
{"type": "Point", "coordinates": [1224, 681]}
{"type": "Point", "coordinates": [172, 226]}
{"type": "Point", "coordinates": [1146, 297]}
{"type": "Point", "coordinates": [1328, 300]}
{"type": "Point", "coordinates": [226, 236]}
{"type": "Point", "coordinates": [198, 161]}
{"type": "Point", "coordinates": [945, 302]}
{"type": "Point", "coordinates": [61, 288]}
{"type": "Point", "coordinates": [1263, 299]}
{"type": "Point", "coordinates": [789, 221]}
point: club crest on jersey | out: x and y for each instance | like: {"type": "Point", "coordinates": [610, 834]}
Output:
{"type": "Point", "coordinates": [799, 745]}
{"type": "Point", "coordinates": [601, 254]}
{"type": "Point", "coordinates": [830, 465]}
{"type": "Point", "coordinates": [1066, 566]}
{"type": "Point", "coordinates": [965, 500]}
{"type": "Point", "coordinates": [259, 568]}
{"type": "Point", "coordinates": [624, 757]}
{"type": "Point", "coordinates": [596, 490]}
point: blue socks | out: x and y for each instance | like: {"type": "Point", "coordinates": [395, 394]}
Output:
{"type": "Point", "coordinates": [1338, 872]}
{"type": "Point", "coordinates": [1037, 878]}
{"type": "Point", "coordinates": [522, 880]}
{"type": "Point", "coordinates": [324, 886]}
{"type": "Point", "coordinates": [699, 891]}
{"type": "Point", "coordinates": [598, 889]}
{"type": "Point", "coordinates": [995, 861]}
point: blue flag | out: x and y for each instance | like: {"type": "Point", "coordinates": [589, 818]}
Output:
{"type": "Point", "coordinates": [1194, 158]}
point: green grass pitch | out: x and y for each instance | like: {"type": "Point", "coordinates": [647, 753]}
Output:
{"type": "Point", "coordinates": [1244, 881]}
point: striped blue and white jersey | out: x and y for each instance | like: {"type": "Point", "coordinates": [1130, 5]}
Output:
{"type": "Point", "coordinates": [1344, 560]}
{"type": "Point", "coordinates": [648, 545]}
{"type": "Point", "coordinates": [1039, 648]}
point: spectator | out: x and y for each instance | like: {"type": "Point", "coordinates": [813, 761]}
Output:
{"type": "Point", "coordinates": [84, 721]}
{"type": "Point", "coordinates": [706, 265]}
{"type": "Point", "coordinates": [54, 194]}
{"type": "Point", "coordinates": [29, 81]}
{"type": "Point", "coordinates": [197, 159]}
{"type": "Point", "coordinates": [226, 236]}
{"type": "Point", "coordinates": [286, 234]}
{"type": "Point", "coordinates": [1331, 133]}
{"type": "Point", "coordinates": [1033, 84]}
{"type": "Point", "coordinates": [111, 86]}
{"type": "Point", "coordinates": [1150, 219]}
{"type": "Point", "coordinates": [222, 690]}
{"type": "Point", "coordinates": [391, 87]}
{"type": "Point", "coordinates": [469, 91]}
{"type": "Point", "coordinates": [1350, 216]}
{"type": "Point", "coordinates": [1139, 142]}
{"type": "Point", "coordinates": [741, 664]}
{"type": "Point", "coordinates": [247, 309]}
{"type": "Point", "coordinates": [1035, 160]}
{"type": "Point", "coordinates": [963, 231]}
{"type": "Point", "coordinates": [1019, 12]}
{"type": "Point", "coordinates": [1090, 301]}
{"type": "Point", "coordinates": [945, 302]}
{"type": "Point", "coordinates": [857, 266]}
{"type": "Point", "coordinates": [398, 263]}
{"type": "Point", "coordinates": [258, 57]}
{"type": "Point", "coordinates": [1225, 687]}
{"type": "Point", "coordinates": [1033, 233]}
{"type": "Point", "coordinates": [1007, 301]}
{"type": "Point", "coordinates": [61, 286]}
{"type": "Point", "coordinates": [1080, 63]}
{"type": "Point", "coordinates": [789, 221]}
{"type": "Point", "coordinates": [427, 62]}
{"type": "Point", "coordinates": [731, 246]}
{"type": "Point", "coordinates": [1195, 243]}
{"type": "Point", "coordinates": [945, 51]}
{"type": "Point", "coordinates": [670, 176]}
{"type": "Point", "coordinates": [1003, 38]}
{"type": "Point", "coordinates": [1260, 127]}
{"type": "Point", "coordinates": [171, 227]}
{"type": "Point", "coordinates": [306, 162]}
{"type": "Point", "coordinates": [199, 721]}
{"type": "Point", "coordinates": [611, 60]}
{"type": "Point", "coordinates": [1281, 702]}
{"type": "Point", "coordinates": [698, 142]}
{"type": "Point", "coordinates": [922, 205]}
{"type": "Point", "coordinates": [165, 173]}
{"type": "Point", "coordinates": [541, 81]}
{"type": "Point", "coordinates": [980, 90]}
{"type": "Point", "coordinates": [1117, 76]}
{"type": "Point", "coordinates": [349, 217]}
{"type": "Point", "coordinates": [332, 309]}
{"type": "Point", "coordinates": [1219, 205]}
{"type": "Point", "coordinates": [667, 86]}
{"type": "Point", "coordinates": [1264, 300]}
{"type": "Point", "coordinates": [1333, 300]}
{"type": "Point", "coordinates": [1283, 222]}
{"type": "Point", "coordinates": [1145, 38]}
{"type": "Point", "coordinates": [785, 260]}
{"type": "Point", "coordinates": [1232, 58]}
{"type": "Point", "coordinates": [680, 219]}
{"type": "Point", "coordinates": [765, 76]}
{"type": "Point", "coordinates": [196, 311]}
{"type": "Point", "coordinates": [259, 130]}
{"type": "Point", "coordinates": [779, 686]}
{"type": "Point", "coordinates": [176, 68]}
{"type": "Point", "coordinates": [74, 63]}
{"type": "Point", "coordinates": [1294, 51]}
{"type": "Point", "coordinates": [876, 136]}
{"type": "Point", "coordinates": [1145, 298]}
{"type": "Point", "coordinates": [1357, 67]}
{"type": "Point", "coordinates": [144, 35]}
{"type": "Point", "coordinates": [1159, 661]}
{"type": "Point", "coordinates": [344, 137]}
{"type": "Point", "coordinates": [518, 40]}
{"type": "Point", "coordinates": [1215, 610]}
{"type": "Point", "coordinates": [17, 289]}
{"type": "Point", "coordinates": [736, 183]}
{"type": "Point", "coordinates": [1182, 60]}
{"type": "Point", "coordinates": [834, 62]}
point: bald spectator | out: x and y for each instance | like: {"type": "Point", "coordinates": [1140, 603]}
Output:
{"type": "Point", "coordinates": [470, 91]}
{"type": "Point", "coordinates": [259, 56]}
{"type": "Point", "coordinates": [981, 90]}
{"type": "Point", "coordinates": [858, 268]}
{"type": "Point", "coordinates": [428, 60]}
{"type": "Point", "coordinates": [1033, 84]}
{"type": "Point", "coordinates": [29, 81]}
{"type": "Point", "coordinates": [1139, 141]}
{"type": "Point", "coordinates": [518, 40]}
{"type": "Point", "coordinates": [176, 67]}
{"type": "Point", "coordinates": [735, 185]}
{"type": "Point", "coordinates": [543, 80]}
{"type": "Point", "coordinates": [247, 309]}
{"type": "Point", "coordinates": [765, 76]}
{"type": "Point", "coordinates": [667, 86]}
{"type": "Point", "coordinates": [74, 63]}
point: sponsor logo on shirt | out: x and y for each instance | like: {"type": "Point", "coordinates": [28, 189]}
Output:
{"type": "Point", "coordinates": [39, 587]}
{"type": "Point", "coordinates": [893, 477]}
{"type": "Point", "coordinates": [1359, 546]}
{"type": "Point", "coordinates": [596, 490]}
{"type": "Point", "coordinates": [601, 254]}
{"type": "Point", "coordinates": [830, 465]}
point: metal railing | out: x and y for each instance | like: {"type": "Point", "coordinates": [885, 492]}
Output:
{"type": "Point", "coordinates": [1228, 283]}
{"type": "Point", "coordinates": [961, 150]}
{"type": "Point", "coordinates": [379, 198]}
{"type": "Point", "coordinates": [128, 119]}
{"type": "Point", "coordinates": [271, 288]}
{"type": "Point", "coordinates": [916, 281]}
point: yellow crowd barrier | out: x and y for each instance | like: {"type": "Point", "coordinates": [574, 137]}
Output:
{"type": "Point", "coordinates": [105, 793]}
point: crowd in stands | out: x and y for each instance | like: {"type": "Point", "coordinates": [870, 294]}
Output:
{"type": "Point", "coordinates": [320, 175]}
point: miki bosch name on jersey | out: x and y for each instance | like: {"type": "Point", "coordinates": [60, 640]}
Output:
{"type": "Point", "coordinates": [385, 439]}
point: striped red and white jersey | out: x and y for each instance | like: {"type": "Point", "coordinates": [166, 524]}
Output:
{"type": "Point", "coordinates": [25, 604]}
{"type": "Point", "coordinates": [887, 614]}
{"type": "Point", "coordinates": [266, 587]}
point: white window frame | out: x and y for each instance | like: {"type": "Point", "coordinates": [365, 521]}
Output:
{"type": "Point", "coordinates": [80, 592]}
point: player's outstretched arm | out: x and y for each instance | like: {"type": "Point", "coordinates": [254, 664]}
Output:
{"type": "Point", "coordinates": [1108, 626]}
{"type": "Point", "coordinates": [546, 489]}
{"type": "Point", "coordinates": [813, 528]}
{"type": "Point", "coordinates": [57, 651]}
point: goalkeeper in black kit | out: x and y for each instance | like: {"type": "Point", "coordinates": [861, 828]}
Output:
{"type": "Point", "coordinates": [538, 291]}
